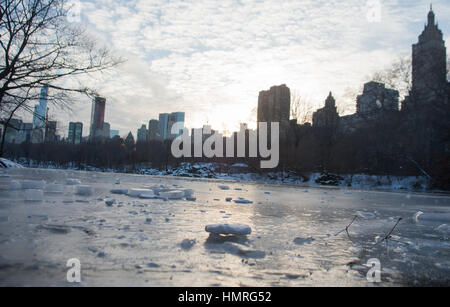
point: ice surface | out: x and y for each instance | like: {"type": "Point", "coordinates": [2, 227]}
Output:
{"type": "Point", "coordinates": [292, 241]}
{"type": "Point", "coordinates": [15, 185]}
{"type": "Point", "coordinates": [228, 229]}
{"type": "Point", "coordinates": [33, 184]}
{"type": "Point", "coordinates": [34, 195]}
{"type": "Point", "coordinates": [55, 188]}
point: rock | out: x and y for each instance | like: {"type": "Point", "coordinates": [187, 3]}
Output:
{"type": "Point", "coordinates": [229, 229]}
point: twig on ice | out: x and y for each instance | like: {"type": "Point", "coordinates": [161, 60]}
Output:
{"type": "Point", "coordinates": [346, 228]}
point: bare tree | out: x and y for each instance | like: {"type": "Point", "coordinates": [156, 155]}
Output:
{"type": "Point", "coordinates": [39, 47]}
{"type": "Point", "coordinates": [301, 109]}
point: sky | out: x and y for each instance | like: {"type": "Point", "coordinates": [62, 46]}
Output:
{"type": "Point", "coordinates": [210, 59]}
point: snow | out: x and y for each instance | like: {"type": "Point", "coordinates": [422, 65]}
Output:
{"type": "Point", "coordinates": [9, 164]}
{"type": "Point", "coordinates": [138, 192]}
{"type": "Point", "coordinates": [227, 229]}
{"type": "Point", "coordinates": [15, 185]}
{"type": "Point", "coordinates": [55, 188]}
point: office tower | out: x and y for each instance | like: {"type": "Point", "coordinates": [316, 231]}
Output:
{"type": "Point", "coordinates": [39, 116]}
{"type": "Point", "coordinates": [153, 130]}
{"type": "Point", "coordinates": [50, 132]}
{"type": "Point", "coordinates": [163, 124]}
{"type": "Point", "coordinates": [106, 130]}
{"type": "Point", "coordinates": [176, 117]}
{"type": "Point", "coordinates": [75, 133]}
{"type": "Point", "coordinates": [97, 117]}
{"type": "Point", "coordinates": [142, 134]}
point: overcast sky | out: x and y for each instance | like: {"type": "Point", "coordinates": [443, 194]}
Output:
{"type": "Point", "coordinates": [211, 58]}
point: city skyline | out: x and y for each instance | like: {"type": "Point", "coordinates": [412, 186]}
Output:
{"type": "Point", "coordinates": [312, 64]}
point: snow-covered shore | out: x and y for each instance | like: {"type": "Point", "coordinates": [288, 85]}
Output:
{"type": "Point", "coordinates": [242, 173]}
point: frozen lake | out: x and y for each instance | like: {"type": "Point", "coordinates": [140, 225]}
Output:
{"type": "Point", "coordinates": [137, 242]}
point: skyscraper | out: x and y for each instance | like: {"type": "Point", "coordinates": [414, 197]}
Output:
{"type": "Point", "coordinates": [153, 130]}
{"type": "Point", "coordinates": [142, 134]}
{"type": "Point", "coordinates": [39, 116]}
{"type": "Point", "coordinates": [75, 133]}
{"type": "Point", "coordinates": [163, 124]}
{"type": "Point", "coordinates": [50, 132]}
{"type": "Point", "coordinates": [429, 66]}
{"type": "Point", "coordinates": [274, 106]}
{"type": "Point", "coordinates": [106, 130]}
{"type": "Point", "coordinates": [97, 117]}
{"type": "Point", "coordinates": [176, 117]}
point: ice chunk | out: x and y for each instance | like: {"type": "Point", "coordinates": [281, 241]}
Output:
{"type": "Point", "coordinates": [147, 195]}
{"type": "Point", "coordinates": [55, 188]}
{"type": "Point", "coordinates": [228, 199]}
{"type": "Point", "coordinates": [432, 217]}
{"type": "Point", "coordinates": [15, 185]}
{"type": "Point", "coordinates": [110, 202]}
{"type": "Point", "coordinates": [191, 198]}
{"type": "Point", "coordinates": [228, 229]}
{"type": "Point", "coordinates": [224, 187]}
{"type": "Point", "coordinates": [176, 194]}
{"type": "Point", "coordinates": [33, 184]}
{"type": "Point", "coordinates": [187, 244]}
{"type": "Point", "coordinates": [138, 192]}
{"type": "Point", "coordinates": [365, 215]}
{"type": "Point", "coordinates": [34, 195]}
{"type": "Point", "coordinates": [243, 201]}
{"type": "Point", "coordinates": [71, 181]}
{"type": "Point", "coordinates": [443, 228]}
{"type": "Point", "coordinates": [188, 192]}
{"type": "Point", "coordinates": [84, 190]}
{"type": "Point", "coordinates": [303, 241]}
{"type": "Point", "coordinates": [119, 191]}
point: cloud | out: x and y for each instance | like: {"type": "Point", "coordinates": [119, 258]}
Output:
{"type": "Point", "coordinates": [210, 58]}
